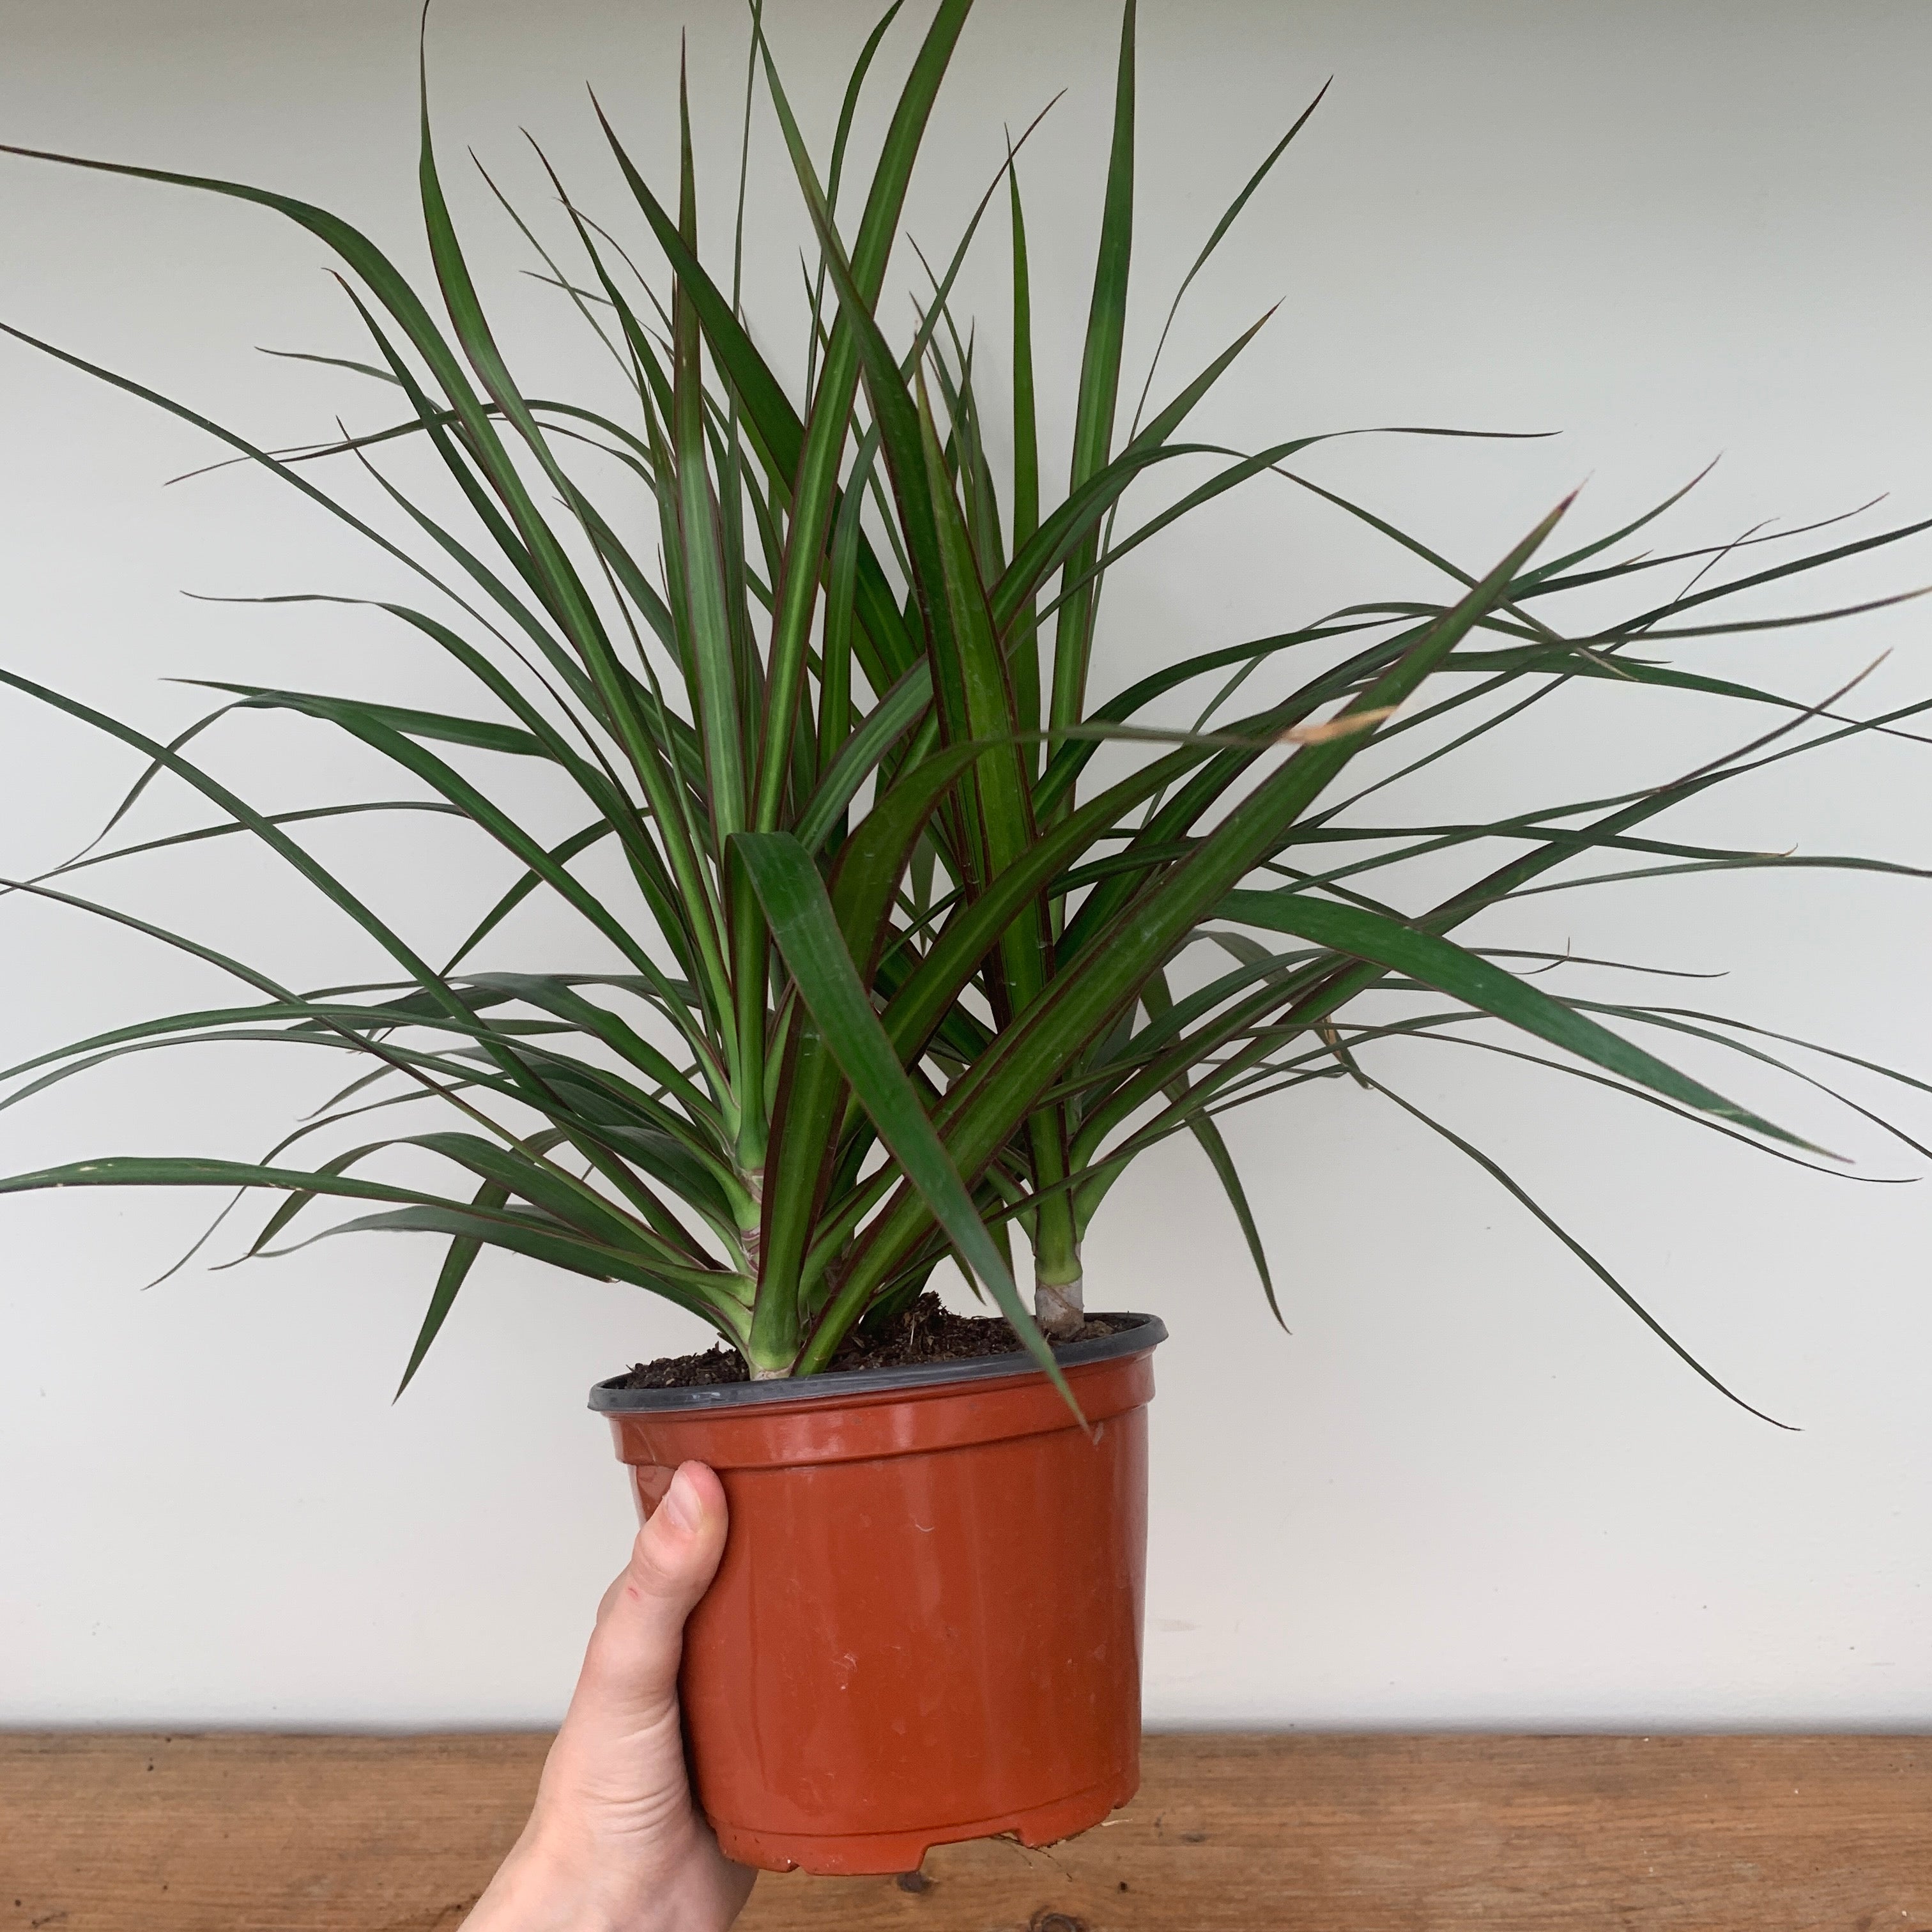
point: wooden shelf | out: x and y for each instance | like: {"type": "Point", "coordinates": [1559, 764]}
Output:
{"type": "Point", "coordinates": [1230, 1833]}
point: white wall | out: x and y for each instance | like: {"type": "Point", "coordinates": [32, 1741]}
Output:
{"type": "Point", "coordinates": [1469, 1490]}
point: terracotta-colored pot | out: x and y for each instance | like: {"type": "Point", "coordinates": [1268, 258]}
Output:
{"type": "Point", "coordinates": [927, 1624]}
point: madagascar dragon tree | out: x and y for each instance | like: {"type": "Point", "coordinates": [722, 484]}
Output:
{"type": "Point", "coordinates": [817, 660]}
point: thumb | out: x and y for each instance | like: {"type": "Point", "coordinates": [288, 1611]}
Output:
{"type": "Point", "coordinates": [635, 1649]}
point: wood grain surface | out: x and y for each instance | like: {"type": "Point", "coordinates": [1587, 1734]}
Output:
{"type": "Point", "coordinates": [1230, 1833]}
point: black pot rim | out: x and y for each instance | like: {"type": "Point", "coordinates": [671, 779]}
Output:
{"type": "Point", "coordinates": [607, 1398]}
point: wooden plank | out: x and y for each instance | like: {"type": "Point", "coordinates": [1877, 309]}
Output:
{"type": "Point", "coordinates": [1230, 1833]}
{"type": "Point", "coordinates": [110, 1833]}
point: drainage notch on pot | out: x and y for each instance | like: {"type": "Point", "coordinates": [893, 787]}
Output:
{"type": "Point", "coordinates": [927, 1624]}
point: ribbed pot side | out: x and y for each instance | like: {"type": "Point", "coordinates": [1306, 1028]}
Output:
{"type": "Point", "coordinates": [927, 1624]}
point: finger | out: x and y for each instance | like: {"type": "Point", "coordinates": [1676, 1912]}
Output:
{"type": "Point", "coordinates": [635, 1649]}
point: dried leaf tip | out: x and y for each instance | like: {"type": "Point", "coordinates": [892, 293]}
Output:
{"type": "Point", "coordinates": [1346, 726]}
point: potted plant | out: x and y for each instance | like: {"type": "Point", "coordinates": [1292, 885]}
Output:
{"type": "Point", "coordinates": [810, 645]}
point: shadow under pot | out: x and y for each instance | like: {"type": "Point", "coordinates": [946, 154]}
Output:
{"type": "Point", "coordinates": [927, 1624]}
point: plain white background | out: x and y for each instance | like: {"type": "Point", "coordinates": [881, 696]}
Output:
{"type": "Point", "coordinates": [1468, 1489]}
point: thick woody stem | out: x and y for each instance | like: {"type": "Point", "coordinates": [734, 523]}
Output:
{"type": "Point", "coordinates": [1057, 1308]}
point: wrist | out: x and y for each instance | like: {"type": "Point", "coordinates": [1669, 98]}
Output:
{"type": "Point", "coordinates": [530, 1893]}
{"type": "Point", "coordinates": [547, 1884]}
{"type": "Point", "coordinates": [538, 1888]}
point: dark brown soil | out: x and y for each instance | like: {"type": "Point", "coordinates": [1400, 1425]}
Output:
{"type": "Point", "coordinates": [928, 1331]}
{"type": "Point", "coordinates": [705, 1369]}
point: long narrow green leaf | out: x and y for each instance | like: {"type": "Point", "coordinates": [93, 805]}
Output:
{"type": "Point", "coordinates": [712, 655]}
{"type": "Point", "coordinates": [479, 733]}
{"type": "Point", "coordinates": [848, 108]}
{"type": "Point", "coordinates": [463, 1250]}
{"type": "Point", "coordinates": [1100, 379]}
{"type": "Point", "coordinates": [1159, 1003]}
{"type": "Point", "coordinates": [545, 1240]}
{"type": "Point", "coordinates": [1577, 1248]}
{"type": "Point", "coordinates": [1229, 216]}
{"type": "Point", "coordinates": [1025, 647]}
{"type": "Point", "coordinates": [1450, 969]}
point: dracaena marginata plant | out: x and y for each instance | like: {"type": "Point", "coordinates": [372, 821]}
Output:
{"type": "Point", "coordinates": [817, 660]}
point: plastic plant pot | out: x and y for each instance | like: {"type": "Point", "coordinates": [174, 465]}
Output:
{"type": "Point", "coordinates": [927, 1624]}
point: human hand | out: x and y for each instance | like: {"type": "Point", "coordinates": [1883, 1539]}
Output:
{"type": "Point", "coordinates": [615, 1844]}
